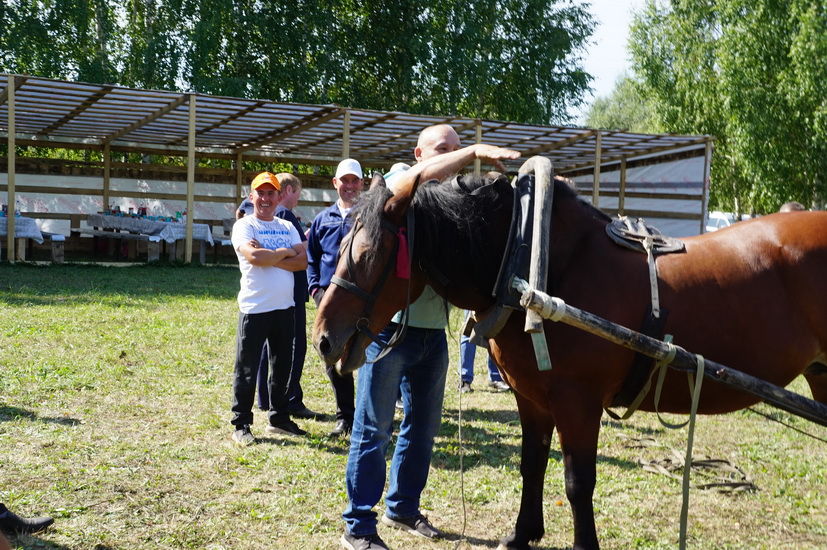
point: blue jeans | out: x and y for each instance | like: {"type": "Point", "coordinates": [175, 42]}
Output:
{"type": "Point", "coordinates": [467, 351]}
{"type": "Point", "coordinates": [416, 368]}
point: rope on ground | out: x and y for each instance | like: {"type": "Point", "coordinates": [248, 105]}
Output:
{"type": "Point", "coordinates": [462, 542]}
{"type": "Point", "coordinates": [715, 473]}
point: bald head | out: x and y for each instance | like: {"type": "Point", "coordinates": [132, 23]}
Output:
{"type": "Point", "coordinates": [436, 140]}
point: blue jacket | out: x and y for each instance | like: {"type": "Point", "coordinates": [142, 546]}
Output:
{"type": "Point", "coordinates": [326, 234]}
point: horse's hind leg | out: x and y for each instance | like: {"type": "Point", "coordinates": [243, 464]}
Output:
{"type": "Point", "coordinates": [537, 426]}
{"type": "Point", "coordinates": [816, 376]}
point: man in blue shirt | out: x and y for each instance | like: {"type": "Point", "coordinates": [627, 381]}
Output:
{"type": "Point", "coordinates": [323, 240]}
{"type": "Point", "coordinates": [416, 368]}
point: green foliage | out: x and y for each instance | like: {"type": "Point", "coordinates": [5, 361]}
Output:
{"type": "Point", "coordinates": [516, 60]}
{"type": "Point", "coordinates": [626, 108]}
{"type": "Point", "coordinates": [751, 73]}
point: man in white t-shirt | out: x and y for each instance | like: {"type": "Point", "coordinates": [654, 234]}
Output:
{"type": "Point", "coordinates": [269, 249]}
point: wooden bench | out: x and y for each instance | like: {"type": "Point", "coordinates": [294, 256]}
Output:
{"type": "Point", "coordinates": [153, 246]}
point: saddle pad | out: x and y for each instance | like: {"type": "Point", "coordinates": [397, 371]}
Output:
{"type": "Point", "coordinates": [632, 233]}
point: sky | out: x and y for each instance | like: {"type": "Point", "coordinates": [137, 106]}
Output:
{"type": "Point", "coordinates": [606, 57]}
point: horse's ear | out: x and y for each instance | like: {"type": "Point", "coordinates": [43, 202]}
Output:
{"type": "Point", "coordinates": [403, 194]}
{"type": "Point", "coordinates": [377, 180]}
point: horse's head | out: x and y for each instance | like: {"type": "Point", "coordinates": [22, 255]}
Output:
{"type": "Point", "coordinates": [373, 279]}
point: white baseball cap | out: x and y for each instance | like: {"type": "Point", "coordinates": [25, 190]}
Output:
{"type": "Point", "coordinates": [349, 166]}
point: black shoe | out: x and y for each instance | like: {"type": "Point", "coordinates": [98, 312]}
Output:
{"type": "Point", "coordinates": [416, 525]}
{"type": "Point", "coordinates": [363, 542]}
{"type": "Point", "coordinates": [465, 387]}
{"type": "Point", "coordinates": [306, 413]}
{"type": "Point", "coordinates": [12, 524]}
{"type": "Point", "coordinates": [342, 429]}
{"type": "Point", "coordinates": [286, 427]}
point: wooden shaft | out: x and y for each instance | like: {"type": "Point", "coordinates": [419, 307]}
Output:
{"type": "Point", "coordinates": [557, 310]}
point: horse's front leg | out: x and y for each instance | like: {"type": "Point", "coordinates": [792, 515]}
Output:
{"type": "Point", "coordinates": [578, 426]}
{"type": "Point", "coordinates": [537, 426]}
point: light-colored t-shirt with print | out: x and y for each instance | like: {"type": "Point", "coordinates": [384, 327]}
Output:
{"type": "Point", "coordinates": [264, 288]}
{"type": "Point", "coordinates": [429, 310]}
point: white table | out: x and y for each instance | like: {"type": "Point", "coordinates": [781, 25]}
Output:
{"type": "Point", "coordinates": [168, 231]}
{"type": "Point", "coordinates": [24, 228]}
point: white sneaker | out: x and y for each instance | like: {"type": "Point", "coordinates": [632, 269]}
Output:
{"type": "Point", "coordinates": [243, 436]}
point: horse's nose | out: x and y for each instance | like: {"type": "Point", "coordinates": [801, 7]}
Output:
{"type": "Point", "coordinates": [324, 347]}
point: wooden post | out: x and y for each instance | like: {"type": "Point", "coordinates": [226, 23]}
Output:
{"type": "Point", "coordinates": [705, 199]}
{"type": "Point", "coordinates": [190, 180]}
{"type": "Point", "coordinates": [153, 249]}
{"type": "Point", "coordinates": [239, 177]}
{"type": "Point", "coordinates": [346, 135]}
{"type": "Point", "coordinates": [107, 174]}
{"type": "Point", "coordinates": [478, 162]}
{"type": "Point", "coordinates": [598, 145]}
{"type": "Point", "coordinates": [621, 199]}
{"type": "Point", "coordinates": [12, 199]}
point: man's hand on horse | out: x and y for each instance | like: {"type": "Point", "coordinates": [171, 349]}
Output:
{"type": "Point", "coordinates": [494, 155]}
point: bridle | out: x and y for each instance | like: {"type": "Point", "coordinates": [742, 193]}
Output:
{"type": "Point", "coordinates": [401, 258]}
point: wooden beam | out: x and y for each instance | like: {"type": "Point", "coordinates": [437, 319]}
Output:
{"type": "Point", "coordinates": [636, 154]}
{"type": "Point", "coordinates": [300, 126]}
{"type": "Point", "coordinates": [622, 195]}
{"type": "Point", "coordinates": [190, 180]}
{"type": "Point", "coordinates": [346, 135]}
{"type": "Point", "coordinates": [11, 88]}
{"type": "Point", "coordinates": [107, 176]}
{"type": "Point", "coordinates": [353, 130]}
{"type": "Point", "coordinates": [18, 81]}
{"type": "Point", "coordinates": [239, 175]}
{"type": "Point", "coordinates": [78, 191]}
{"type": "Point", "coordinates": [598, 146]}
{"type": "Point", "coordinates": [146, 120]}
{"type": "Point", "coordinates": [707, 167]}
{"type": "Point", "coordinates": [398, 148]}
{"type": "Point", "coordinates": [478, 139]}
{"type": "Point", "coordinates": [88, 102]}
{"type": "Point", "coordinates": [221, 122]}
{"type": "Point", "coordinates": [559, 144]}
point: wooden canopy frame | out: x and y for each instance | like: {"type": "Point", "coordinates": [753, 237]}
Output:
{"type": "Point", "coordinates": [77, 115]}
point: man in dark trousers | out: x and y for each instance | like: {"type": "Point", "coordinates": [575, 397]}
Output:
{"type": "Point", "coordinates": [323, 240]}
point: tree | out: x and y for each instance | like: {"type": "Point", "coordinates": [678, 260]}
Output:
{"type": "Point", "coordinates": [626, 108]}
{"type": "Point", "coordinates": [751, 73]}
{"type": "Point", "coordinates": [516, 60]}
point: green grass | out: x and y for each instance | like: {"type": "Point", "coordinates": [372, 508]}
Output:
{"type": "Point", "coordinates": [114, 418]}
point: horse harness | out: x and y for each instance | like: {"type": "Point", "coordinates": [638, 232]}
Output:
{"type": "Point", "coordinates": [401, 259]}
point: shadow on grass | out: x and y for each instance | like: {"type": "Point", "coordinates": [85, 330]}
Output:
{"type": "Point", "coordinates": [31, 542]}
{"type": "Point", "coordinates": [8, 413]}
{"type": "Point", "coordinates": [483, 447]}
{"type": "Point", "coordinates": [492, 543]}
{"type": "Point", "coordinates": [36, 285]}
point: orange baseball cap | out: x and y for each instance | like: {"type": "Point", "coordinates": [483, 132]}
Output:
{"type": "Point", "coordinates": [265, 177]}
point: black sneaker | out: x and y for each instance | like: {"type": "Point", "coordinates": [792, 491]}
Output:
{"type": "Point", "coordinates": [416, 525]}
{"type": "Point", "coordinates": [342, 429]}
{"type": "Point", "coordinates": [286, 427]}
{"type": "Point", "coordinates": [465, 387]}
{"type": "Point", "coordinates": [12, 524]}
{"type": "Point", "coordinates": [363, 542]}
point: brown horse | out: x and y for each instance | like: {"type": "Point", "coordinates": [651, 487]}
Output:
{"type": "Point", "coordinates": [753, 296]}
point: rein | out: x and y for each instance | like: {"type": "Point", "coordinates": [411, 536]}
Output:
{"type": "Point", "coordinates": [401, 260]}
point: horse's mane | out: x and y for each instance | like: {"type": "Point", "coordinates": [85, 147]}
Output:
{"type": "Point", "coordinates": [451, 224]}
